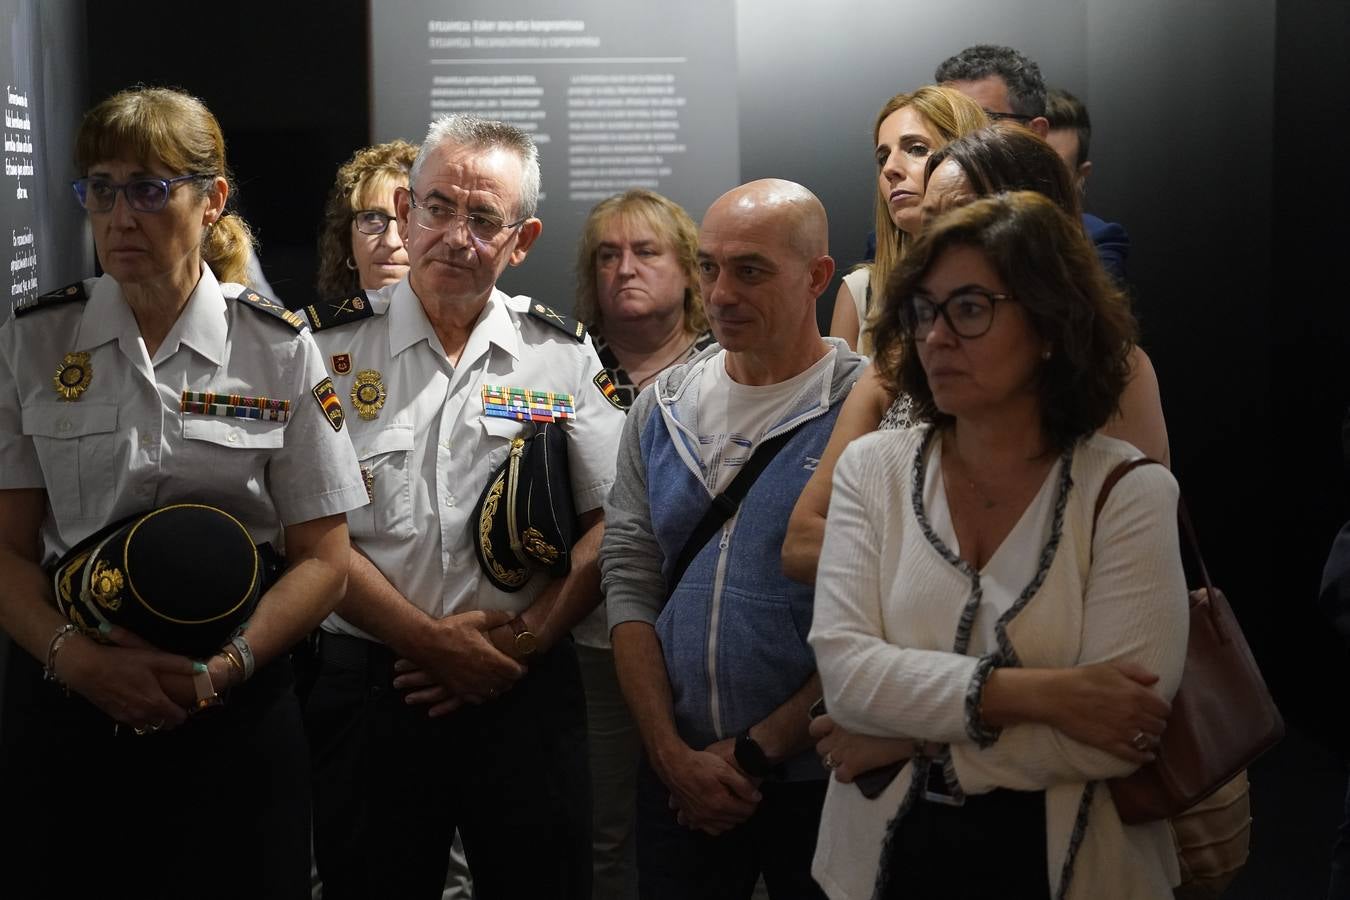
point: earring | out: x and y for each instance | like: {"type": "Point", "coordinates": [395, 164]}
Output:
{"type": "Point", "coordinates": [351, 263]}
{"type": "Point", "coordinates": [1045, 354]}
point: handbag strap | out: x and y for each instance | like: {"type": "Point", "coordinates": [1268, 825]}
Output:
{"type": "Point", "coordinates": [1187, 529]}
{"type": "Point", "coordinates": [725, 504]}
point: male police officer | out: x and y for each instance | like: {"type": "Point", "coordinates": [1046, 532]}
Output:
{"type": "Point", "coordinates": [431, 366]}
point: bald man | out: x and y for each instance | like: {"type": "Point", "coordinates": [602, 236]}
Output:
{"type": "Point", "coordinates": [709, 635]}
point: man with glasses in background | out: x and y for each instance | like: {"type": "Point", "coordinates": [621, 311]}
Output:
{"type": "Point", "coordinates": [1009, 86]}
{"type": "Point", "coordinates": [443, 701]}
{"type": "Point", "coordinates": [1003, 81]}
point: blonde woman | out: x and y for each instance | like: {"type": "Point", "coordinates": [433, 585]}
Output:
{"type": "Point", "coordinates": [908, 129]}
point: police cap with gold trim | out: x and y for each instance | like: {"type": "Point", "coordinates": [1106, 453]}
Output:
{"type": "Point", "coordinates": [183, 577]}
{"type": "Point", "coordinates": [525, 520]}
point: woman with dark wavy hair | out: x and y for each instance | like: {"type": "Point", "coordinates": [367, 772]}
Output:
{"type": "Point", "coordinates": [976, 621]}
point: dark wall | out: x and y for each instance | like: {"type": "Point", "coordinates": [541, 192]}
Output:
{"type": "Point", "coordinates": [289, 83]}
{"type": "Point", "coordinates": [1294, 454]}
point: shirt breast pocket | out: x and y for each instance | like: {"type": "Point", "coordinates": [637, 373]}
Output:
{"type": "Point", "coordinates": [385, 455]}
{"type": "Point", "coordinates": [497, 437]}
{"type": "Point", "coordinates": [230, 454]}
{"type": "Point", "coordinates": [77, 447]}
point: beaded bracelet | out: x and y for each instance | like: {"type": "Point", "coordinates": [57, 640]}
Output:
{"type": "Point", "coordinates": [58, 639]}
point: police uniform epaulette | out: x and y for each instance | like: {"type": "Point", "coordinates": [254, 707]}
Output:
{"type": "Point", "coordinates": [563, 323]}
{"type": "Point", "coordinates": [68, 294]}
{"type": "Point", "coordinates": [342, 310]}
{"type": "Point", "coordinates": [272, 307]}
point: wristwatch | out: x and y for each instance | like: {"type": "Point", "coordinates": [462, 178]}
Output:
{"type": "Point", "coordinates": [526, 642]}
{"type": "Point", "coordinates": [752, 759]}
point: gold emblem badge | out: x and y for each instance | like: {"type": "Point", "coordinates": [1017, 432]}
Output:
{"type": "Point", "coordinates": [368, 393]}
{"type": "Point", "coordinates": [105, 583]}
{"type": "Point", "coordinates": [539, 548]}
{"type": "Point", "coordinates": [73, 375]}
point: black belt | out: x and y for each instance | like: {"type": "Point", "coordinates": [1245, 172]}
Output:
{"type": "Point", "coordinates": [348, 652]}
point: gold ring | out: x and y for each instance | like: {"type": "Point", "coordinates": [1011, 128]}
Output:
{"type": "Point", "coordinates": [830, 761]}
{"type": "Point", "coordinates": [1141, 742]}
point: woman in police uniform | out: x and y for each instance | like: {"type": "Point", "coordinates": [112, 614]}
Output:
{"type": "Point", "coordinates": [161, 382]}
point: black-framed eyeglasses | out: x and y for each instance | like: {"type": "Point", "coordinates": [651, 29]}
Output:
{"type": "Point", "coordinates": [968, 312]}
{"type": "Point", "coordinates": [1012, 117]}
{"type": "Point", "coordinates": [143, 194]}
{"type": "Point", "coordinates": [371, 221]}
{"type": "Point", "coordinates": [438, 217]}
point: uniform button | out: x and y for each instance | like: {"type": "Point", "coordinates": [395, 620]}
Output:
{"type": "Point", "coordinates": [450, 501]}
{"type": "Point", "coordinates": [63, 426]}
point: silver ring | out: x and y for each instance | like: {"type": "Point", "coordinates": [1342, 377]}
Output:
{"type": "Point", "coordinates": [1141, 742]}
{"type": "Point", "coordinates": [830, 762]}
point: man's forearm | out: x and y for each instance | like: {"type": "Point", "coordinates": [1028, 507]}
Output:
{"type": "Point", "coordinates": [784, 732]}
{"type": "Point", "coordinates": [646, 689]}
{"type": "Point", "coordinates": [375, 606]}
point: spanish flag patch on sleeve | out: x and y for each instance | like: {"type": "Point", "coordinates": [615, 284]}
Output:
{"type": "Point", "coordinates": [329, 402]}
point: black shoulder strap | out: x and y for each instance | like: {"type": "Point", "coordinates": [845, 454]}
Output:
{"type": "Point", "coordinates": [351, 307]}
{"type": "Point", "coordinates": [252, 298]}
{"type": "Point", "coordinates": [725, 504]}
{"type": "Point", "coordinates": [565, 324]}
{"type": "Point", "coordinates": [71, 293]}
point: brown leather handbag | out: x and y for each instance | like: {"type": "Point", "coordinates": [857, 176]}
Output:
{"type": "Point", "coordinates": [1223, 716]}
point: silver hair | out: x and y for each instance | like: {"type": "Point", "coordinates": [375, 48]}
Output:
{"type": "Point", "coordinates": [468, 130]}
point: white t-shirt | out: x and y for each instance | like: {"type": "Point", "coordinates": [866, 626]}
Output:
{"type": "Point", "coordinates": [733, 416]}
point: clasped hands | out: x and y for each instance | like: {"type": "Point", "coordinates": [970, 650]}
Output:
{"type": "Point", "coordinates": [133, 682]}
{"type": "Point", "coordinates": [467, 660]}
{"type": "Point", "coordinates": [708, 791]}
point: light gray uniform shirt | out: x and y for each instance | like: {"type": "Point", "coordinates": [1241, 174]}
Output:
{"type": "Point", "coordinates": [121, 439]}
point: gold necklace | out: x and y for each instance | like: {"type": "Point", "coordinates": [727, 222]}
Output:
{"type": "Point", "coordinates": [985, 500]}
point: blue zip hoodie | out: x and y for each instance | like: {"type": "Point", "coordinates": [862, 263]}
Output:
{"type": "Point", "coordinates": [734, 630]}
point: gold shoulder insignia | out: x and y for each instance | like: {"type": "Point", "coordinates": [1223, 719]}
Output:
{"type": "Point", "coordinates": [271, 307]}
{"type": "Point", "coordinates": [565, 324]}
{"type": "Point", "coordinates": [339, 311]}
{"type": "Point", "coordinates": [71, 293]}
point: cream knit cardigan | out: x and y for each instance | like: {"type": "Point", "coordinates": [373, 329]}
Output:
{"type": "Point", "coordinates": [886, 613]}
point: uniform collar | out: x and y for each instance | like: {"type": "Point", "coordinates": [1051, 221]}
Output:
{"type": "Point", "coordinates": [408, 322]}
{"type": "Point", "coordinates": [408, 325]}
{"type": "Point", "coordinates": [494, 327]}
{"type": "Point", "coordinates": [201, 325]}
